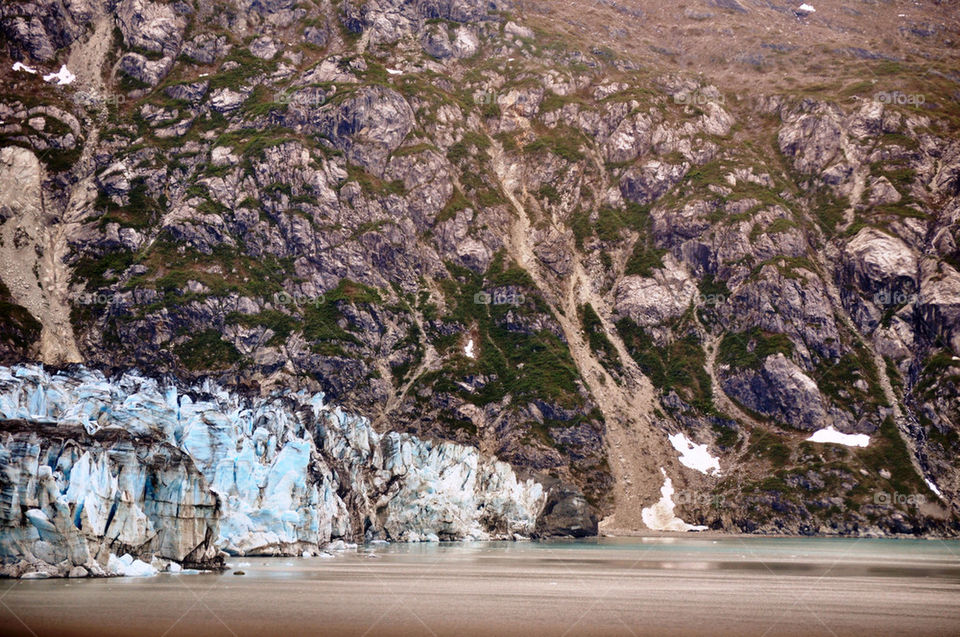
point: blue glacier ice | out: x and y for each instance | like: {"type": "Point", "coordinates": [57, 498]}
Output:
{"type": "Point", "coordinates": [94, 467]}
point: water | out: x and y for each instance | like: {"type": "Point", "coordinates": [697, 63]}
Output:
{"type": "Point", "coordinates": [637, 586]}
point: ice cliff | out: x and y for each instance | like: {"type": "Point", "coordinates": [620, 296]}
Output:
{"type": "Point", "coordinates": [92, 467]}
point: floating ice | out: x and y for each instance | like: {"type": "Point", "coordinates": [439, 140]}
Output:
{"type": "Point", "coordinates": [695, 456]}
{"type": "Point", "coordinates": [128, 566]}
{"type": "Point", "coordinates": [61, 77]}
{"type": "Point", "coordinates": [20, 66]}
{"type": "Point", "coordinates": [660, 516]}
{"type": "Point", "coordinates": [831, 435]}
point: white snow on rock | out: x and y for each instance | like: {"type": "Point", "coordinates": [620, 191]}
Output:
{"type": "Point", "coordinates": [660, 516]}
{"type": "Point", "coordinates": [831, 435]}
{"type": "Point", "coordinates": [806, 8]}
{"type": "Point", "coordinates": [20, 66]}
{"type": "Point", "coordinates": [61, 77]}
{"type": "Point", "coordinates": [394, 72]}
{"type": "Point", "coordinates": [695, 456]}
{"type": "Point", "coordinates": [468, 350]}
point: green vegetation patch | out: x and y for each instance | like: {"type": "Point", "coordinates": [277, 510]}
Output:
{"type": "Point", "coordinates": [768, 446]}
{"type": "Point", "coordinates": [525, 365]}
{"type": "Point", "coordinates": [599, 342]}
{"type": "Point", "coordinates": [888, 451]}
{"type": "Point", "coordinates": [836, 378]}
{"type": "Point", "coordinates": [679, 366]}
{"type": "Point", "coordinates": [322, 319]}
{"type": "Point", "coordinates": [748, 350]}
{"type": "Point", "coordinates": [207, 351]}
{"type": "Point", "coordinates": [562, 141]}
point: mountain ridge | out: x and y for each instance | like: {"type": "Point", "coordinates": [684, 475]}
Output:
{"type": "Point", "coordinates": [336, 198]}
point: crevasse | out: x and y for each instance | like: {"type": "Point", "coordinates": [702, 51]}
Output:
{"type": "Point", "coordinates": [92, 467]}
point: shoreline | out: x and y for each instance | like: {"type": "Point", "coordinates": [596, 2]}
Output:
{"type": "Point", "coordinates": [714, 534]}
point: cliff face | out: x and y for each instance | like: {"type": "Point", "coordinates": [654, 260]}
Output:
{"type": "Point", "coordinates": [555, 249]}
{"type": "Point", "coordinates": [93, 468]}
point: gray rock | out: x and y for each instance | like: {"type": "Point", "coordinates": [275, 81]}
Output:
{"type": "Point", "coordinates": [512, 28]}
{"type": "Point", "coordinates": [879, 262]}
{"type": "Point", "coordinates": [225, 100]}
{"type": "Point", "coordinates": [39, 28]}
{"type": "Point", "coordinates": [147, 71]}
{"type": "Point", "coordinates": [781, 390]}
{"type": "Point", "coordinates": [151, 26]}
{"type": "Point", "coordinates": [939, 301]}
{"type": "Point", "coordinates": [651, 301]}
{"type": "Point", "coordinates": [368, 126]}
{"type": "Point", "coordinates": [192, 92]}
{"type": "Point", "coordinates": [649, 182]}
{"type": "Point", "coordinates": [882, 192]}
{"type": "Point", "coordinates": [436, 42]}
{"type": "Point", "coordinates": [567, 513]}
{"type": "Point", "coordinates": [317, 36]}
{"type": "Point", "coordinates": [206, 48]}
{"type": "Point", "coordinates": [265, 48]}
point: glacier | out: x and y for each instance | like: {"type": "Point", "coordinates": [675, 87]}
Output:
{"type": "Point", "coordinates": [175, 477]}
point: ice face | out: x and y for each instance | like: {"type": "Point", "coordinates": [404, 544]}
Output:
{"type": "Point", "coordinates": [131, 465]}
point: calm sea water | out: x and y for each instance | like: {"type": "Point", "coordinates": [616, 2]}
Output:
{"type": "Point", "coordinates": [636, 586]}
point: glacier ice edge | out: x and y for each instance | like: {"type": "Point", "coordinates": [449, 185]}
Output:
{"type": "Point", "coordinates": [92, 467]}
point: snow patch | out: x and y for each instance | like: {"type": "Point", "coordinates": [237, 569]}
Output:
{"type": "Point", "coordinates": [695, 456]}
{"type": "Point", "coordinates": [394, 72]}
{"type": "Point", "coordinates": [61, 77]}
{"type": "Point", "coordinates": [660, 516]}
{"type": "Point", "coordinates": [831, 435]}
{"type": "Point", "coordinates": [468, 350]}
{"type": "Point", "coordinates": [933, 488]}
{"type": "Point", "coordinates": [806, 8]}
{"type": "Point", "coordinates": [20, 66]}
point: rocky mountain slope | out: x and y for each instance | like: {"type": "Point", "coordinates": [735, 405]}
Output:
{"type": "Point", "coordinates": [557, 232]}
